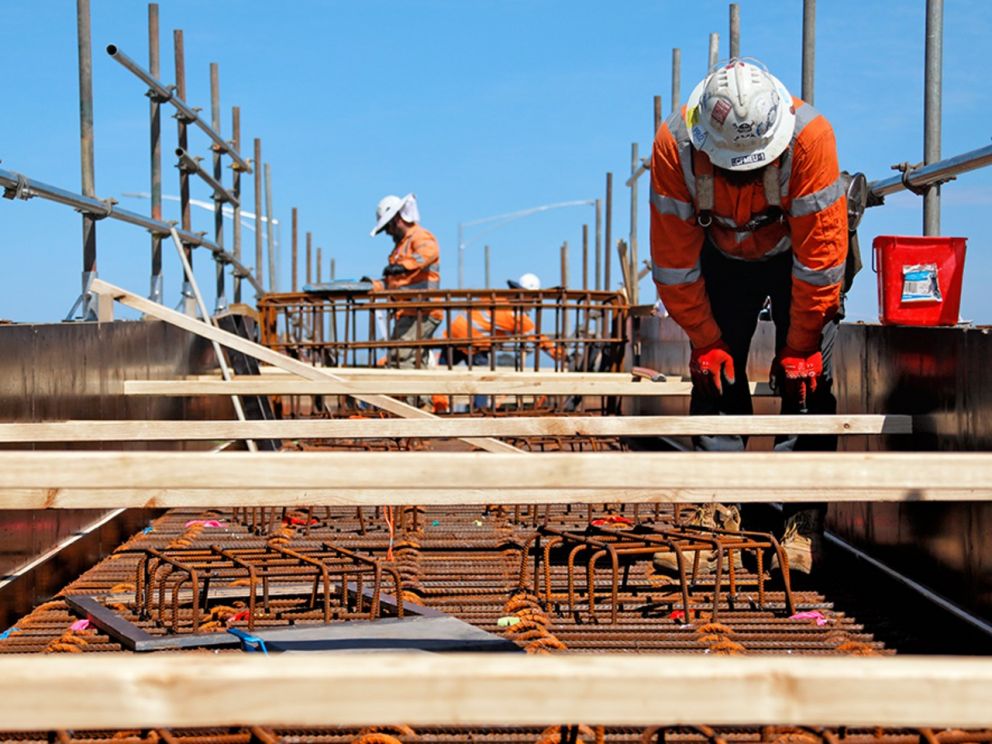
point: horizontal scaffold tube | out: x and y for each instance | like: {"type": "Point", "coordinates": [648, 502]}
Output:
{"type": "Point", "coordinates": [942, 170]}
{"type": "Point", "coordinates": [22, 187]}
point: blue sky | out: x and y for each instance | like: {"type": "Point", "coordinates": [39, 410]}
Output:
{"type": "Point", "coordinates": [479, 106]}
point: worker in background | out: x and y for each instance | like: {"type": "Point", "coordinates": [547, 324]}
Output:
{"type": "Point", "coordinates": [413, 264]}
{"type": "Point", "coordinates": [748, 203]}
{"type": "Point", "coordinates": [480, 328]}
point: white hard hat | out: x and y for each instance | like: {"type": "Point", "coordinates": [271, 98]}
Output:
{"type": "Point", "coordinates": [390, 206]}
{"type": "Point", "coordinates": [526, 281]}
{"type": "Point", "coordinates": [741, 116]}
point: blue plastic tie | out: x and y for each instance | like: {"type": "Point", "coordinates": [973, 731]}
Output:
{"type": "Point", "coordinates": [6, 633]}
{"type": "Point", "coordinates": [247, 640]}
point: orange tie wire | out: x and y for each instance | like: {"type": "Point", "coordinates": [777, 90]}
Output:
{"type": "Point", "coordinates": [391, 524]}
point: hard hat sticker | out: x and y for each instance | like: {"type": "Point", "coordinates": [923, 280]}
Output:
{"type": "Point", "coordinates": [720, 110]}
{"type": "Point", "coordinates": [699, 136]}
{"type": "Point", "coordinates": [919, 283]}
{"type": "Point", "coordinates": [754, 157]}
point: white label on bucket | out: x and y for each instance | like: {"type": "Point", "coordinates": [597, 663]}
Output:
{"type": "Point", "coordinates": [919, 283]}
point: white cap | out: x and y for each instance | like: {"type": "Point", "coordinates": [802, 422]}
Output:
{"type": "Point", "coordinates": [741, 116]}
{"type": "Point", "coordinates": [390, 206]}
{"type": "Point", "coordinates": [526, 281]}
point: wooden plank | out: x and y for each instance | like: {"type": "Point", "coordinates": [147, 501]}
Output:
{"type": "Point", "coordinates": [263, 354]}
{"type": "Point", "coordinates": [113, 691]}
{"type": "Point", "coordinates": [596, 426]}
{"type": "Point", "coordinates": [457, 375]}
{"type": "Point", "coordinates": [169, 498]}
{"type": "Point", "coordinates": [476, 373]}
{"type": "Point", "coordinates": [439, 385]}
{"type": "Point", "coordinates": [910, 472]}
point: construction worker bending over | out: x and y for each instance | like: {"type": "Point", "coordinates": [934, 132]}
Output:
{"type": "Point", "coordinates": [413, 264]}
{"type": "Point", "coordinates": [480, 328]}
{"type": "Point", "coordinates": [747, 203]}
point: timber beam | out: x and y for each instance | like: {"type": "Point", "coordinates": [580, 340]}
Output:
{"type": "Point", "coordinates": [114, 691]}
{"type": "Point", "coordinates": [384, 385]}
{"type": "Point", "coordinates": [523, 426]}
{"type": "Point", "coordinates": [375, 477]}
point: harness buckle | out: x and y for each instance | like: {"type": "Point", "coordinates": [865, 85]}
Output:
{"type": "Point", "coordinates": [768, 217]}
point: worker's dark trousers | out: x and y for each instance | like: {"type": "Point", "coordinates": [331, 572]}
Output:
{"type": "Point", "coordinates": [737, 291]}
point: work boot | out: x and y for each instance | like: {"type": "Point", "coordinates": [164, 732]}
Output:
{"type": "Point", "coordinates": [802, 541]}
{"type": "Point", "coordinates": [709, 516]}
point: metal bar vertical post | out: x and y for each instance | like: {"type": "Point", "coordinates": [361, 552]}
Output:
{"type": "Point", "coordinates": [564, 265]}
{"type": "Point", "coordinates": [735, 30]}
{"type": "Point", "coordinates": [333, 272]}
{"type": "Point", "coordinates": [268, 229]}
{"type": "Point", "coordinates": [86, 157]}
{"type": "Point", "coordinates": [676, 79]}
{"type": "Point", "coordinates": [933, 81]}
{"type": "Point", "coordinates": [310, 257]}
{"type": "Point", "coordinates": [318, 265]}
{"type": "Point", "coordinates": [714, 53]}
{"type": "Point", "coordinates": [236, 189]}
{"type": "Point", "coordinates": [608, 234]}
{"type": "Point", "coordinates": [635, 161]}
{"type": "Point", "coordinates": [461, 256]}
{"type": "Point", "coordinates": [179, 53]}
{"type": "Point", "coordinates": [221, 300]}
{"type": "Point", "coordinates": [155, 137]}
{"type": "Point", "coordinates": [657, 115]}
{"type": "Point", "coordinates": [809, 49]}
{"type": "Point", "coordinates": [487, 257]}
{"type": "Point", "coordinates": [585, 257]}
{"type": "Point", "coordinates": [257, 170]}
{"type": "Point", "coordinates": [295, 257]}
{"type": "Point", "coordinates": [599, 244]}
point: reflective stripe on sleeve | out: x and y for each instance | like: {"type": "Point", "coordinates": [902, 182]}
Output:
{"type": "Point", "coordinates": [670, 277]}
{"type": "Point", "coordinates": [818, 200]}
{"type": "Point", "coordinates": [804, 115]}
{"type": "Point", "coordinates": [817, 277]}
{"type": "Point", "coordinates": [784, 244]}
{"type": "Point", "coordinates": [669, 205]}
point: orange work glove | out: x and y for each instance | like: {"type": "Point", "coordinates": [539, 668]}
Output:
{"type": "Point", "coordinates": [709, 365]}
{"type": "Point", "coordinates": [794, 374]}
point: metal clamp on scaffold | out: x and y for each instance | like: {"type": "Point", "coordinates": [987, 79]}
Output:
{"type": "Point", "coordinates": [20, 190]}
{"type": "Point", "coordinates": [907, 171]}
{"type": "Point", "coordinates": [108, 205]}
{"type": "Point", "coordinates": [157, 96]}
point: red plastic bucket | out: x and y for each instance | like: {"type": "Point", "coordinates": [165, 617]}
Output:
{"type": "Point", "coordinates": [919, 279]}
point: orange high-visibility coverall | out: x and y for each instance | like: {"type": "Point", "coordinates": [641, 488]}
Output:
{"type": "Point", "coordinates": [503, 322]}
{"type": "Point", "coordinates": [814, 226]}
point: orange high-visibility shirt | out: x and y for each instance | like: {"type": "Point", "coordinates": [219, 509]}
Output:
{"type": "Point", "coordinates": [420, 255]}
{"type": "Point", "coordinates": [502, 322]}
{"type": "Point", "coordinates": [814, 227]}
